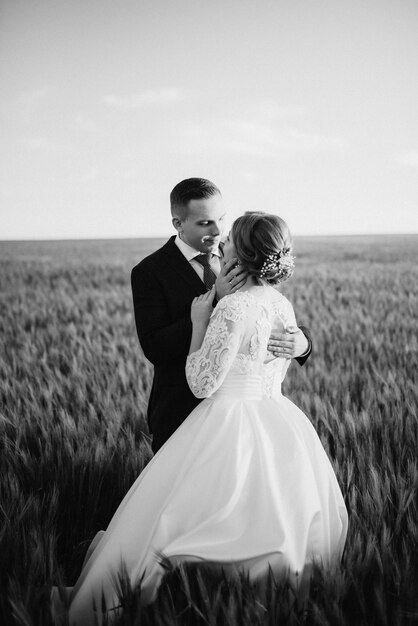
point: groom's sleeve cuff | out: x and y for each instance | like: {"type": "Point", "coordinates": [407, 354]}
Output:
{"type": "Point", "coordinates": [303, 357]}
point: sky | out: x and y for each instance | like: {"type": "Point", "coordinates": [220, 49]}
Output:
{"type": "Point", "coordinates": [303, 108]}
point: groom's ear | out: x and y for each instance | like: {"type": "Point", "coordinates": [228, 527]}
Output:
{"type": "Point", "coordinates": [177, 224]}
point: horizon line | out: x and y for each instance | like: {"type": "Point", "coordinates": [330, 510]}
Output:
{"type": "Point", "coordinates": [130, 238]}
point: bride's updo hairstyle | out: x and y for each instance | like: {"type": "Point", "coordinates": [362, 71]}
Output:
{"type": "Point", "coordinates": [263, 246]}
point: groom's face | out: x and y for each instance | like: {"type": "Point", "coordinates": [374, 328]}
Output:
{"type": "Point", "coordinates": [203, 226]}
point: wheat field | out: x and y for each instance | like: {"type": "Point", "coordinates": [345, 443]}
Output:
{"type": "Point", "coordinates": [73, 393]}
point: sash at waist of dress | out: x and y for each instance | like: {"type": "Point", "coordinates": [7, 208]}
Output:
{"type": "Point", "coordinates": [242, 386]}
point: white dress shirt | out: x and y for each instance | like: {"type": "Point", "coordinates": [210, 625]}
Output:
{"type": "Point", "coordinates": [189, 252]}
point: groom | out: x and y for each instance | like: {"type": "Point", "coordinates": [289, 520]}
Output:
{"type": "Point", "coordinates": [163, 287]}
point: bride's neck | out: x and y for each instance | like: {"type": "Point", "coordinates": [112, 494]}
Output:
{"type": "Point", "coordinates": [250, 282]}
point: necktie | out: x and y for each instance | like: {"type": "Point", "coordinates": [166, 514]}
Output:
{"type": "Point", "coordinates": [209, 275]}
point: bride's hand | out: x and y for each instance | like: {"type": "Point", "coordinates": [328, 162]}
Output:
{"type": "Point", "coordinates": [202, 307]}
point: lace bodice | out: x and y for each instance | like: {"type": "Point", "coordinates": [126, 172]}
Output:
{"type": "Point", "coordinates": [236, 341]}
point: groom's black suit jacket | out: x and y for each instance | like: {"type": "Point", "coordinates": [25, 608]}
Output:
{"type": "Point", "coordinates": [163, 287]}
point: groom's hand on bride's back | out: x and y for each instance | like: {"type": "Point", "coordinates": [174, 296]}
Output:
{"type": "Point", "coordinates": [231, 278]}
{"type": "Point", "coordinates": [289, 344]}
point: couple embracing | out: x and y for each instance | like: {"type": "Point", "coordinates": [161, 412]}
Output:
{"type": "Point", "coordinates": [239, 480]}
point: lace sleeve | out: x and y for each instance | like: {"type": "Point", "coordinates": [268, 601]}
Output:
{"type": "Point", "coordinates": [207, 367]}
{"type": "Point", "coordinates": [285, 313]}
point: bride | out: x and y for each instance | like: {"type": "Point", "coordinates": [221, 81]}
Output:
{"type": "Point", "coordinates": [244, 483]}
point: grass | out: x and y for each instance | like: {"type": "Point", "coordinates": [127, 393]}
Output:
{"type": "Point", "coordinates": [73, 435]}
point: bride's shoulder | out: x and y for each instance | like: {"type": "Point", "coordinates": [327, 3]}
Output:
{"type": "Point", "coordinates": [279, 297]}
{"type": "Point", "coordinates": [235, 304]}
{"type": "Point", "coordinates": [280, 301]}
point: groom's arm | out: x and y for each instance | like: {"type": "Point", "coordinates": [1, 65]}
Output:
{"type": "Point", "coordinates": [305, 355]}
{"type": "Point", "coordinates": [294, 343]}
{"type": "Point", "coordinates": [162, 340]}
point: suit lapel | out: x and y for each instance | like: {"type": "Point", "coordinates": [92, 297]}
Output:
{"type": "Point", "coordinates": [178, 262]}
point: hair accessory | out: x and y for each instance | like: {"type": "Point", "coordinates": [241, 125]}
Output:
{"type": "Point", "coordinates": [282, 263]}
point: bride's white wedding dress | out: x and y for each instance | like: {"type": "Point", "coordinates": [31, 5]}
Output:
{"type": "Point", "coordinates": [244, 483]}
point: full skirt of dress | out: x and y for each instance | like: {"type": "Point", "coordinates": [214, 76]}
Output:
{"type": "Point", "coordinates": [244, 483]}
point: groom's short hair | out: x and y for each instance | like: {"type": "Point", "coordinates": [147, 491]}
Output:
{"type": "Point", "coordinates": [190, 189]}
